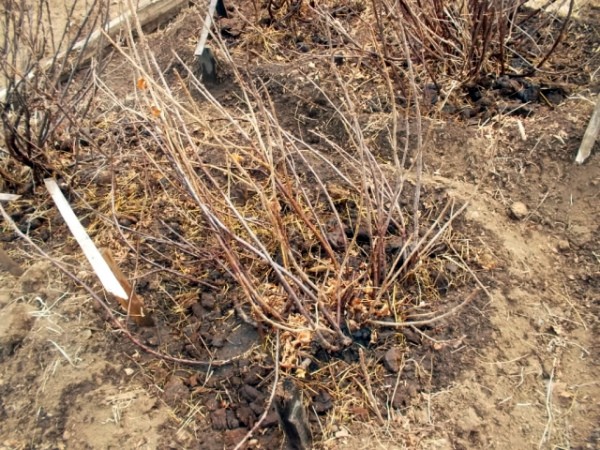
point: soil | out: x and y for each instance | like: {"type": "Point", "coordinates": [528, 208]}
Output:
{"type": "Point", "coordinates": [516, 367]}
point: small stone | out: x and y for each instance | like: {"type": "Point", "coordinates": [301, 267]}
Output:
{"type": "Point", "coordinates": [518, 210]}
{"type": "Point", "coordinates": [563, 245]}
{"type": "Point", "coordinates": [35, 278]}
{"type": "Point", "coordinates": [86, 334]}
{"type": "Point", "coordinates": [342, 433]}
{"type": "Point", "coordinates": [392, 359]}
{"type": "Point", "coordinates": [258, 408]}
{"type": "Point", "coordinates": [198, 310]}
{"type": "Point", "coordinates": [5, 298]}
{"type": "Point", "coordinates": [125, 222]}
{"type": "Point", "coordinates": [471, 215]}
{"type": "Point", "coordinates": [452, 268]}
{"type": "Point", "coordinates": [128, 371]}
{"type": "Point", "coordinates": [302, 47]}
{"type": "Point", "coordinates": [411, 336]}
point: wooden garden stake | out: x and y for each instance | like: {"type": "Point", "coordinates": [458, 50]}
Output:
{"type": "Point", "coordinates": [107, 271]}
{"type": "Point", "coordinates": [205, 60]}
{"type": "Point", "coordinates": [134, 306]}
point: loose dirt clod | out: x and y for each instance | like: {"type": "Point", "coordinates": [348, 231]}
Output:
{"type": "Point", "coordinates": [518, 210]}
{"type": "Point", "coordinates": [175, 391]}
{"type": "Point", "coordinates": [563, 245]}
{"type": "Point", "coordinates": [9, 265]}
{"type": "Point", "coordinates": [14, 327]}
{"type": "Point", "coordinates": [392, 359]}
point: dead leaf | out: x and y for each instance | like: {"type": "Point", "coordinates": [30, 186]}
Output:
{"type": "Point", "coordinates": [155, 111]}
{"type": "Point", "coordinates": [141, 83]}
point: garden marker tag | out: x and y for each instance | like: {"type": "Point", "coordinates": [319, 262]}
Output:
{"type": "Point", "coordinates": [204, 57]}
{"type": "Point", "coordinates": [91, 252]}
{"type": "Point", "coordinates": [206, 27]}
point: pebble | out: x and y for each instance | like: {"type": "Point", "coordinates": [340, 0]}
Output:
{"type": "Point", "coordinates": [302, 47]}
{"type": "Point", "coordinates": [518, 210]}
{"type": "Point", "coordinates": [563, 245]}
{"type": "Point", "coordinates": [86, 334]}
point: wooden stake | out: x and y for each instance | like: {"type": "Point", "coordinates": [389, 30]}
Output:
{"type": "Point", "coordinates": [135, 306]}
{"type": "Point", "coordinates": [208, 20]}
{"type": "Point", "coordinates": [205, 60]}
{"type": "Point", "coordinates": [103, 264]}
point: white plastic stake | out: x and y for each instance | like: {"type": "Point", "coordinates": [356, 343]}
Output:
{"type": "Point", "coordinates": [107, 277]}
{"type": "Point", "coordinates": [206, 28]}
{"type": "Point", "coordinates": [8, 197]}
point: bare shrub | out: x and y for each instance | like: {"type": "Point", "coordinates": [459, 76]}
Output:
{"type": "Point", "coordinates": [319, 244]}
{"type": "Point", "coordinates": [464, 39]}
{"type": "Point", "coordinates": [42, 102]}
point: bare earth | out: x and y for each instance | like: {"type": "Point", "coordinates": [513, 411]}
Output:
{"type": "Point", "coordinates": [524, 375]}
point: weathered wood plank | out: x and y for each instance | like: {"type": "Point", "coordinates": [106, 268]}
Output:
{"type": "Point", "coordinates": [134, 306]}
